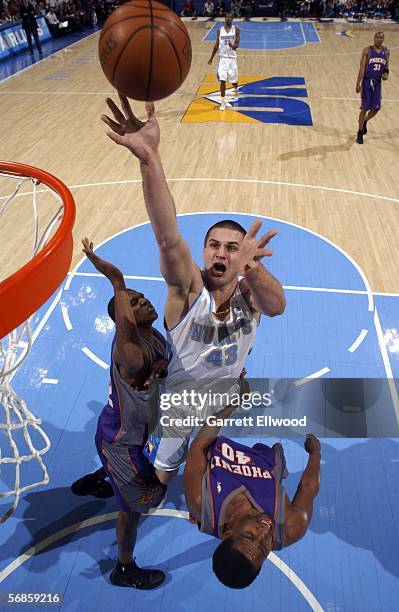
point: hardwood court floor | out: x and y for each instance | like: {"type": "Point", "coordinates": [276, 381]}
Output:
{"type": "Point", "coordinates": [50, 118]}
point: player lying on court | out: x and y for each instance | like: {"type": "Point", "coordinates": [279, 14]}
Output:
{"type": "Point", "coordinates": [234, 493]}
{"type": "Point", "coordinates": [211, 315]}
{"type": "Point", "coordinates": [374, 68]}
{"type": "Point", "coordinates": [138, 355]}
{"type": "Point", "coordinates": [226, 45]}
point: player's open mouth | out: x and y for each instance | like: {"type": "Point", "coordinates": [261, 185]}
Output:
{"type": "Point", "coordinates": [266, 522]}
{"type": "Point", "coordinates": [219, 268]}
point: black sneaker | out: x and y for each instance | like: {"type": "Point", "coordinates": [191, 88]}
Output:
{"type": "Point", "coordinates": [359, 138]}
{"type": "Point", "coordinates": [364, 130]}
{"type": "Point", "coordinates": [135, 577]}
{"type": "Point", "coordinates": [91, 484]}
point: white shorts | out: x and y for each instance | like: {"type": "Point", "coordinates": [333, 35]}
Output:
{"type": "Point", "coordinates": [168, 443]}
{"type": "Point", "coordinates": [227, 69]}
{"type": "Point", "coordinates": [166, 454]}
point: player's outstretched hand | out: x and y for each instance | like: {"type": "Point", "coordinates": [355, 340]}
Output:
{"type": "Point", "coordinates": [253, 249]}
{"type": "Point", "coordinates": [109, 270]}
{"type": "Point", "coordinates": [158, 371]}
{"type": "Point", "coordinates": [140, 137]}
{"type": "Point", "coordinates": [312, 445]}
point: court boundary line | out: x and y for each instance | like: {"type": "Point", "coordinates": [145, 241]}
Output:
{"type": "Point", "coordinates": [94, 358]}
{"type": "Point", "coordinates": [313, 55]}
{"type": "Point", "coordinates": [218, 212]}
{"type": "Point", "coordinates": [162, 512]}
{"type": "Point", "coordinates": [358, 341]}
{"type": "Point", "coordinates": [220, 23]}
{"type": "Point", "coordinates": [355, 99]}
{"type": "Point", "coordinates": [223, 180]}
{"type": "Point", "coordinates": [178, 93]}
{"type": "Point", "coordinates": [303, 33]}
{"type": "Point", "coordinates": [387, 363]}
{"type": "Point", "coordinates": [286, 287]}
{"type": "Point", "coordinates": [309, 377]}
{"type": "Point", "coordinates": [40, 325]}
{"type": "Point", "coordinates": [316, 31]}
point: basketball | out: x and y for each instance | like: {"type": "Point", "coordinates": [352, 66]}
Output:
{"type": "Point", "coordinates": [145, 50]}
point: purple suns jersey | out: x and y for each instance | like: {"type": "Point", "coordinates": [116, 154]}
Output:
{"type": "Point", "coordinates": [235, 469]}
{"type": "Point", "coordinates": [376, 63]}
{"type": "Point", "coordinates": [124, 419]}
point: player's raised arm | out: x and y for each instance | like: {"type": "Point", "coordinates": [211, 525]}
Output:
{"type": "Point", "coordinates": [300, 511]}
{"type": "Point", "coordinates": [262, 290]}
{"type": "Point", "coordinates": [142, 139]}
{"type": "Point", "coordinates": [362, 69]}
{"type": "Point", "coordinates": [130, 353]}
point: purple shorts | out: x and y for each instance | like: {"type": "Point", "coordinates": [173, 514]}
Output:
{"type": "Point", "coordinates": [371, 94]}
{"type": "Point", "coordinates": [131, 475]}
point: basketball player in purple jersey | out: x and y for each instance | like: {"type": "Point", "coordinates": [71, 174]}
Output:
{"type": "Point", "coordinates": [211, 314]}
{"type": "Point", "coordinates": [138, 354]}
{"type": "Point", "coordinates": [374, 68]}
{"type": "Point", "coordinates": [234, 492]}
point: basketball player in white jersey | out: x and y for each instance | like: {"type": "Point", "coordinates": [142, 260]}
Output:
{"type": "Point", "coordinates": [227, 43]}
{"type": "Point", "coordinates": [211, 315]}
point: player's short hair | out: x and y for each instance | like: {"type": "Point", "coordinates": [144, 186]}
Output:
{"type": "Point", "coordinates": [229, 223]}
{"type": "Point", "coordinates": [232, 567]}
{"type": "Point", "coordinates": [379, 33]}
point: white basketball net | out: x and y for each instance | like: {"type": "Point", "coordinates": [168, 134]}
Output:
{"type": "Point", "coordinates": [15, 416]}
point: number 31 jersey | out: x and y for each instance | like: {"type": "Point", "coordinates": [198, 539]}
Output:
{"type": "Point", "coordinates": [376, 63]}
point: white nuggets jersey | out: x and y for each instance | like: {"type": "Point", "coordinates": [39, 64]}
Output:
{"type": "Point", "coordinates": [224, 39]}
{"type": "Point", "coordinates": [202, 346]}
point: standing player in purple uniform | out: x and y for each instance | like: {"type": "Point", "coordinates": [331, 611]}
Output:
{"type": "Point", "coordinates": [138, 354]}
{"type": "Point", "coordinates": [234, 492]}
{"type": "Point", "coordinates": [374, 67]}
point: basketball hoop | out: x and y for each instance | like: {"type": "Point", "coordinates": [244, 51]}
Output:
{"type": "Point", "coordinates": [21, 295]}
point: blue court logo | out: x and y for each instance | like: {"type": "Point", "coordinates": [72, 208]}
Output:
{"type": "Point", "coordinates": [260, 100]}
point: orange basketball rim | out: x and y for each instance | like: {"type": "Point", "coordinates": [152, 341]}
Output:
{"type": "Point", "coordinates": [22, 293]}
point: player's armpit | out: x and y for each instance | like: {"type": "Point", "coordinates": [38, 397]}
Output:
{"type": "Point", "coordinates": [295, 525]}
{"type": "Point", "coordinates": [131, 361]}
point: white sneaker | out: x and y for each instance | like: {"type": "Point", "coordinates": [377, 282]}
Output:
{"type": "Point", "coordinates": [222, 107]}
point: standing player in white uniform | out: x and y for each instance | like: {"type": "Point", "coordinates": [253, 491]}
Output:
{"type": "Point", "coordinates": [227, 43]}
{"type": "Point", "coordinates": [211, 315]}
